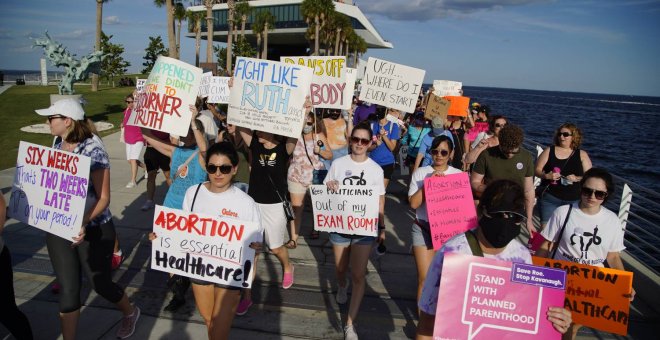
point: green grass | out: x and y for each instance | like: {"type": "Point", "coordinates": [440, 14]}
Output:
{"type": "Point", "coordinates": [18, 103]}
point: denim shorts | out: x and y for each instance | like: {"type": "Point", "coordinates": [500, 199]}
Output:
{"type": "Point", "coordinates": [342, 241]}
{"type": "Point", "coordinates": [216, 285]}
{"type": "Point", "coordinates": [421, 237]}
{"type": "Point", "coordinates": [548, 205]}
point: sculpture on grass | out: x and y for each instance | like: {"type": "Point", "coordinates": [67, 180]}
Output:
{"type": "Point", "coordinates": [75, 70]}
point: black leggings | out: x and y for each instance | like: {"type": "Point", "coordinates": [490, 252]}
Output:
{"type": "Point", "coordinates": [10, 316]}
{"type": "Point", "coordinates": [94, 256]}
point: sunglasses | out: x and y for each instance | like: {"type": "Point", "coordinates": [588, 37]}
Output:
{"type": "Point", "coordinates": [497, 125]}
{"type": "Point", "coordinates": [129, 101]}
{"type": "Point", "coordinates": [443, 153]}
{"type": "Point", "coordinates": [50, 118]}
{"type": "Point", "coordinates": [600, 195]}
{"type": "Point", "coordinates": [224, 169]}
{"type": "Point", "coordinates": [565, 134]}
{"type": "Point", "coordinates": [360, 141]}
{"type": "Point", "coordinates": [519, 218]}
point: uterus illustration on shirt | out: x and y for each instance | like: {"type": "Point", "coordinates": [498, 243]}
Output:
{"type": "Point", "coordinates": [269, 160]}
{"type": "Point", "coordinates": [585, 240]}
{"type": "Point", "coordinates": [354, 180]}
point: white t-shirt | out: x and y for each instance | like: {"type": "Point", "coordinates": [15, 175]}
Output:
{"type": "Point", "coordinates": [210, 129]}
{"type": "Point", "coordinates": [417, 181]}
{"type": "Point", "coordinates": [587, 238]}
{"type": "Point", "coordinates": [349, 172]}
{"type": "Point", "coordinates": [428, 301]}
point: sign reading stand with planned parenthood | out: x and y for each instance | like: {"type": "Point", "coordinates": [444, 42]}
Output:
{"type": "Point", "coordinates": [481, 298]}
{"type": "Point", "coordinates": [391, 85]}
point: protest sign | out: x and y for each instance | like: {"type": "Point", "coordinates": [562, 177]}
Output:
{"type": "Point", "coordinates": [436, 106]}
{"type": "Point", "coordinates": [443, 88]}
{"type": "Point", "coordinates": [450, 206]}
{"type": "Point", "coordinates": [139, 85]}
{"type": "Point", "coordinates": [219, 90]}
{"type": "Point", "coordinates": [50, 189]}
{"type": "Point", "coordinates": [204, 247]}
{"type": "Point", "coordinates": [595, 295]}
{"type": "Point", "coordinates": [328, 86]}
{"type": "Point", "coordinates": [205, 84]}
{"type": "Point", "coordinates": [349, 89]}
{"type": "Point", "coordinates": [171, 88]}
{"type": "Point", "coordinates": [269, 96]}
{"type": "Point", "coordinates": [458, 106]}
{"type": "Point", "coordinates": [478, 127]}
{"type": "Point", "coordinates": [482, 298]}
{"type": "Point", "coordinates": [392, 85]}
{"type": "Point", "coordinates": [350, 210]}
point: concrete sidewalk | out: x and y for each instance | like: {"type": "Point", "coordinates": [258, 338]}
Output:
{"type": "Point", "coordinates": [307, 310]}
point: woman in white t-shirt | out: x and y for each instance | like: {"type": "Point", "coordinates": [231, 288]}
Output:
{"type": "Point", "coordinates": [592, 234]}
{"type": "Point", "coordinates": [442, 151]}
{"type": "Point", "coordinates": [217, 303]}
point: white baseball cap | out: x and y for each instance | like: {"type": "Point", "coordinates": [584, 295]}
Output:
{"type": "Point", "coordinates": [66, 107]}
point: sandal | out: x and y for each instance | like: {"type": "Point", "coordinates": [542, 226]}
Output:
{"type": "Point", "coordinates": [289, 246]}
{"type": "Point", "coordinates": [314, 235]}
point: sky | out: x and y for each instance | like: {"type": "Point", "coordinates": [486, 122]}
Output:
{"type": "Point", "coordinates": [598, 46]}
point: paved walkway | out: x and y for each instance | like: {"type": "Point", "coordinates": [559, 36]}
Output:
{"type": "Point", "coordinates": [5, 87]}
{"type": "Point", "coordinates": [307, 310]}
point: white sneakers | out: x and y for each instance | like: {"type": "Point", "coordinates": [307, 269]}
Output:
{"type": "Point", "coordinates": [349, 333]}
{"type": "Point", "coordinates": [131, 185]}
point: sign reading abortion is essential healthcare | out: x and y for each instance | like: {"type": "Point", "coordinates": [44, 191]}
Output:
{"type": "Point", "coordinates": [329, 80]}
{"type": "Point", "coordinates": [204, 247]}
{"type": "Point", "coordinates": [50, 189]}
{"type": "Point", "coordinates": [269, 96]}
{"type": "Point", "coordinates": [392, 85]}
{"type": "Point", "coordinates": [482, 298]}
{"type": "Point", "coordinates": [350, 210]}
{"type": "Point", "coordinates": [171, 88]}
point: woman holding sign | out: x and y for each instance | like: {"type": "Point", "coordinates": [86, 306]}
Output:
{"type": "Point", "coordinates": [442, 150]}
{"type": "Point", "coordinates": [92, 250]}
{"type": "Point", "coordinates": [355, 169]}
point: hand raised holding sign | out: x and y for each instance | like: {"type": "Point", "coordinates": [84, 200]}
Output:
{"type": "Point", "coordinates": [560, 318]}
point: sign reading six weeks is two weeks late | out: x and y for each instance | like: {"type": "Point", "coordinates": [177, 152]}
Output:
{"type": "Point", "coordinates": [596, 296]}
{"type": "Point", "coordinates": [170, 89]}
{"type": "Point", "coordinates": [50, 189]}
{"type": "Point", "coordinates": [499, 299]}
{"type": "Point", "coordinates": [350, 210]}
{"type": "Point", "coordinates": [392, 85]}
{"type": "Point", "coordinates": [269, 96]}
{"type": "Point", "coordinates": [450, 206]}
{"type": "Point", "coordinates": [204, 247]}
{"type": "Point", "coordinates": [329, 81]}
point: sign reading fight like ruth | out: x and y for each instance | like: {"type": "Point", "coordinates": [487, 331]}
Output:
{"type": "Point", "coordinates": [204, 247]}
{"type": "Point", "coordinates": [171, 88]}
{"type": "Point", "coordinates": [329, 80]}
{"type": "Point", "coordinates": [350, 210]}
{"type": "Point", "coordinates": [391, 85]}
{"type": "Point", "coordinates": [487, 299]}
{"type": "Point", "coordinates": [50, 189]}
{"type": "Point", "coordinates": [269, 96]}
{"type": "Point", "coordinates": [596, 296]}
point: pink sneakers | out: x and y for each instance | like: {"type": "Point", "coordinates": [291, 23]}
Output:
{"type": "Point", "coordinates": [287, 280]}
{"type": "Point", "coordinates": [243, 306]}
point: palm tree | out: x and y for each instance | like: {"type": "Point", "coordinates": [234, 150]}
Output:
{"type": "Point", "coordinates": [179, 16]}
{"type": "Point", "coordinates": [264, 22]}
{"type": "Point", "coordinates": [230, 29]}
{"type": "Point", "coordinates": [243, 10]}
{"type": "Point", "coordinates": [171, 40]}
{"type": "Point", "coordinates": [97, 47]}
{"type": "Point", "coordinates": [258, 29]}
{"type": "Point", "coordinates": [195, 18]}
{"type": "Point", "coordinates": [209, 29]}
{"type": "Point", "coordinates": [316, 11]}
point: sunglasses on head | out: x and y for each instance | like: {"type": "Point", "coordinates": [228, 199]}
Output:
{"type": "Point", "coordinates": [224, 169]}
{"type": "Point", "coordinates": [50, 118]}
{"type": "Point", "coordinates": [600, 195]}
{"type": "Point", "coordinates": [565, 134]}
{"type": "Point", "coordinates": [443, 153]}
{"type": "Point", "coordinates": [360, 141]}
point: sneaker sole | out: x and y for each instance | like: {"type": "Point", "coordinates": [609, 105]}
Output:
{"type": "Point", "coordinates": [134, 325]}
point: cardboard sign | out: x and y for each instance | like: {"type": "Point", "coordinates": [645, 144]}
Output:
{"type": "Point", "coordinates": [595, 295]}
{"type": "Point", "coordinates": [483, 298]}
{"type": "Point", "coordinates": [436, 106]}
{"type": "Point", "coordinates": [328, 87]}
{"type": "Point", "coordinates": [350, 210]}
{"type": "Point", "coordinates": [204, 247]}
{"type": "Point", "coordinates": [205, 84]}
{"type": "Point", "coordinates": [269, 96]}
{"type": "Point", "coordinates": [450, 206]}
{"type": "Point", "coordinates": [139, 85]}
{"type": "Point", "coordinates": [443, 88]}
{"type": "Point", "coordinates": [171, 88]}
{"type": "Point", "coordinates": [219, 90]}
{"type": "Point", "coordinates": [391, 85]}
{"type": "Point", "coordinates": [50, 189]}
{"type": "Point", "coordinates": [458, 106]}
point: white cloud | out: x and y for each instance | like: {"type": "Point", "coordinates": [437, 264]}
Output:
{"type": "Point", "coordinates": [112, 20]}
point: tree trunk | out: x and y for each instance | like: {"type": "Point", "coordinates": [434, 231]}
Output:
{"type": "Point", "coordinates": [99, 21]}
{"type": "Point", "coordinates": [178, 40]}
{"type": "Point", "coordinates": [336, 51]}
{"type": "Point", "coordinates": [171, 39]}
{"type": "Point", "coordinates": [209, 31]}
{"type": "Point", "coordinates": [258, 45]}
{"type": "Point", "coordinates": [317, 34]}
{"type": "Point", "coordinates": [230, 28]}
{"type": "Point", "coordinates": [264, 54]}
{"type": "Point", "coordinates": [198, 40]}
{"type": "Point", "coordinates": [243, 22]}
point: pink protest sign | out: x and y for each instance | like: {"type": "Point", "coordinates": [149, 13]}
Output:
{"type": "Point", "coordinates": [500, 300]}
{"type": "Point", "coordinates": [450, 206]}
{"type": "Point", "coordinates": [474, 131]}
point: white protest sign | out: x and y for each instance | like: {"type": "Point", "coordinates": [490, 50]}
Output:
{"type": "Point", "coordinates": [328, 81]}
{"type": "Point", "coordinates": [219, 90]}
{"type": "Point", "coordinates": [139, 85]}
{"type": "Point", "coordinates": [350, 210]}
{"type": "Point", "coordinates": [171, 88]}
{"type": "Point", "coordinates": [391, 85]}
{"type": "Point", "coordinates": [205, 84]}
{"type": "Point", "coordinates": [349, 89]}
{"type": "Point", "coordinates": [269, 96]}
{"type": "Point", "coordinates": [50, 189]}
{"type": "Point", "coordinates": [204, 247]}
{"type": "Point", "coordinates": [445, 88]}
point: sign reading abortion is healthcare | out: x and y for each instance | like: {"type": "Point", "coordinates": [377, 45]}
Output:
{"type": "Point", "coordinates": [350, 210]}
{"type": "Point", "coordinates": [50, 189]}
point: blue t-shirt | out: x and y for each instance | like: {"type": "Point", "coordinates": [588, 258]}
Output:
{"type": "Point", "coordinates": [195, 175]}
{"type": "Point", "coordinates": [413, 139]}
{"type": "Point", "coordinates": [382, 154]}
{"type": "Point", "coordinates": [426, 145]}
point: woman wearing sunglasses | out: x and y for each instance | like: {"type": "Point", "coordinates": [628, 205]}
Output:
{"type": "Point", "coordinates": [134, 143]}
{"type": "Point", "coordinates": [586, 232]}
{"type": "Point", "coordinates": [487, 139]}
{"type": "Point", "coordinates": [351, 170]}
{"type": "Point", "coordinates": [442, 150]}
